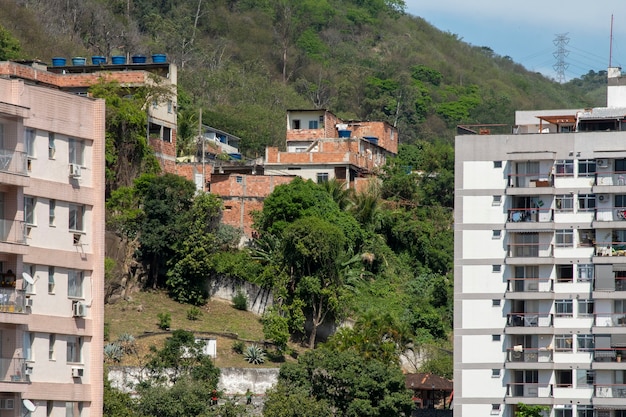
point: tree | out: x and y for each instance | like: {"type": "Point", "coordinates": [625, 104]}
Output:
{"type": "Point", "coordinates": [117, 403]}
{"type": "Point", "coordinates": [524, 410]}
{"type": "Point", "coordinates": [342, 384]}
{"type": "Point", "coordinates": [9, 46]}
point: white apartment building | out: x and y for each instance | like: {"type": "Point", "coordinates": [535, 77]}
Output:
{"type": "Point", "coordinates": [540, 263]}
{"type": "Point", "coordinates": [51, 247]}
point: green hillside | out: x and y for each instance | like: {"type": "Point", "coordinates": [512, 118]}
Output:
{"type": "Point", "coordinates": [247, 61]}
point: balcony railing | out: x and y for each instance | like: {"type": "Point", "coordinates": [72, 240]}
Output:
{"type": "Point", "coordinates": [12, 231]}
{"type": "Point", "coordinates": [13, 162]}
{"type": "Point", "coordinates": [610, 178]}
{"type": "Point", "coordinates": [610, 214]}
{"type": "Point", "coordinates": [608, 354]}
{"type": "Point", "coordinates": [524, 354]}
{"type": "Point", "coordinates": [536, 215]}
{"type": "Point", "coordinates": [610, 249]}
{"type": "Point", "coordinates": [610, 320]}
{"type": "Point", "coordinates": [12, 301]}
{"type": "Point", "coordinates": [13, 370]}
{"type": "Point", "coordinates": [610, 391]}
{"type": "Point", "coordinates": [530, 250]}
{"type": "Point", "coordinates": [529, 390]}
{"type": "Point", "coordinates": [530, 285]}
{"type": "Point", "coordinates": [530, 180]}
{"type": "Point", "coordinates": [529, 320]}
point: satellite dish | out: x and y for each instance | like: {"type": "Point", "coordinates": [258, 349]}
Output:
{"type": "Point", "coordinates": [28, 279]}
{"type": "Point", "coordinates": [28, 404]}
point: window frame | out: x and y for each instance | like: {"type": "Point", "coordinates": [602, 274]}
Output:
{"type": "Point", "coordinates": [564, 308]}
{"type": "Point", "coordinates": [564, 168]}
{"type": "Point", "coordinates": [30, 204]}
{"type": "Point", "coordinates": [76, 151]}
{"type": "Point", "coordinates": [587, 167]}
{"type": "Point", "coordinates": [586, 202]}
{"type": "Point", "coordinates": [563, 342]}
{"type": "Point", "coordinates": [322, 177]}
{"type": "Point", "coordinates": [585, 342]}
{"type": "Point", "coordinates": [30, 134]}
{"type": "Point", "coordinates": [75, 283]}
{"type": "Point", "coordinates": [564, 238]}
{"type": "Point", "coordinates": [76, 217]}
{"type": "Point", "coordinates": [74, 347]}
{"type": "Point", "coordinates": [564, 203]}
{"type": "Point", "coordinates": [51, 145]}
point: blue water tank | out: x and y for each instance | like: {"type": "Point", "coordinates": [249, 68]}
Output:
{"type": "Point", "coordinates": [58, 62]}
{"type": "Point", "coordinates": [78, 60]}
{"type": "Point", "coordinates": [118, 59]}
{"type": "Point", "coordinates": [159, 58]}
{"type": "Point", "coordinates": [138, 59]}
{"type": "Point", "coordinates": [344, 133]}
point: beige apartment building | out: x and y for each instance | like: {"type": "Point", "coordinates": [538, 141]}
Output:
{"type": "Point", "coordinates": [51, 247]}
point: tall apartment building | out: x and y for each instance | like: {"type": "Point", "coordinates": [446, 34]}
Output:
{"type": "Point", "coordinates": [540, 263]}
{"type": "Point", "coordinates": [51, 248]}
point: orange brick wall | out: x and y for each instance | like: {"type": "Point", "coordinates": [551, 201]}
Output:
{"type": "Point", "coordinates": [381, 130]}
{"type": "Point", "coordinates": [189, 169]}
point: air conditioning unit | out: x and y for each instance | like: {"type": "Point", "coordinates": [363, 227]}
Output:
{"type": "Point", "coordinates": [79, 309]}
{"type": "Point", "coordinates": [75, 170]}
{"type": "Point", "coordinates": [603, 198]}
{"type": "Point", "coordinates": [28, 302]}
{"type": "Point", "coordinates": [78, 371]}
{"type": "Point", "coordinates": [28, 370]}
{"type": "Point", "coordinates": [602, 163]}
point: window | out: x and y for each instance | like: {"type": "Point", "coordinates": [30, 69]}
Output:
{"type": "Point", "coordinates": [322, 177]}
{"type": "Point", "coordinates": [51, 280]}
{"type": "Point", "coordinates": [564, 378]}
{"type": "Point", "coordinates": [296, 124]}
{"type": "Point", "coordinates": [586, 202]}
{"type": "Point", "coordinates": [76, 151]}
{"type": "Point", "coordinates": [563, 342]}
{"type": "Point", "coordinates": [495, 373]}
{"type": "Point", "coordinates": [526, 245]}
{"type": "Point", "coordinates": [586, 167]}
{"type": "Point", "coordinates": [51, 342]}
{"type": "Point", "coordinates": [564, 308]}
{"type": "Point", "coordinates": [312, 124]}
{"type": "Point", "coordinates": [167, 134]}
{"type": "Point", "coordinates": [495, 337]}
{"type": "Point", "coordinates": [497, 164]}
{"type": "Point", "coordinates": [29, 142]}
{"type": "Point", "coordinates": [495, 409]}
{"type": "Point", "coordinates": [51, 145]}
{"type": "Point", "coordinates": [620, 165]}
{"type": "Point", "coordinates": [562, 412]}
{"type": "Point", "coordinates": [585, 342]}
{"type": "Point", "coordinates": [495, 302]}
{"type": "Point", "coordinates": [497, 200]}
{"type": "Point", "coordinates": [29, 210]}
{"type": "Point", "coordinates": [170, 106]}
{"type": "Point", "coordinates": [585, 308]}
{"type": "Point", "coordinates": [52, 204]}
{"type": "Point", "coordinates": [29, 339]}
{"type": "Point", "coordinates": [564, 202]}
{"type": "Point", "coordinates": [239, 179]}
{"type": "Point", "coordinates": [564, 238]}
{"type": "Point", "coordinates": [74, 346]}
{"type": "Point", "coordinates": [585, 237]}
{"type": "Point", "coordinates": [74, 283]}
{"type": "Point", "coordinates": [564, 273]}
{"type": "Point", "coordinates": [496, 268]}
{"type": "Point", "coordinates": [620, 201]}
{"type": "Point", "coordinates": [73, 409]}
{"type": "Point", "coordinates": [564, 167]}
{"type": "Point", "coordinates": [585, 272]}
{"type": "Point", "coordinates": [49, 408]}
{"type": "Point", "coordinates": [496, 234]}
{"type": "Point", "coordinates": [585, 377]}
{"type": "Point", "coordinates": [76, 217]}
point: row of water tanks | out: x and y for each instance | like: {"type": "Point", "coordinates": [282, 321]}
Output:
{"type": "Point", "coordinates": [115, 60]}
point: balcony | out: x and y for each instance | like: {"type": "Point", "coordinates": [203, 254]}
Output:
{"type": "Point", "coordinates": [530, 250]}
{"type": "Point", "coordinates": [610, 214]}
{"type": "Point", "coordinates": [530, 180]}
{"type": "Point", "coordinates": [529, 320]}
{"type": "Point", "coordinates": [529, 285]}
{"type": "Point", "coordinates": [532, 215]}
{"type": "Point", "coordinates": [529, 390]}
{"type": "Point", "coordinates": [13, 370]}
{"type": "Point", "coordinates": [609, 391]}
{"type": "Point", "coordinates": [610, 249]}
{"type": "Point", "coordinates": [528, 355]}
{"type": "Point", "coordinates": [610, 320]}
{"type": "Point", "coordinates": [612, 355]}
{"type": "Point", "coordinates": [11, 299]}
{"type": "Point", "coordinates": [13, 162]}
{"type": "Point", "coordinates": [610, 178]}
{"type": "Point", "coordinates": [12, 231]}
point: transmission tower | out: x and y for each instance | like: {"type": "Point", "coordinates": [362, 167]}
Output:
{"type": "Point", "coordinates": [560, 41]}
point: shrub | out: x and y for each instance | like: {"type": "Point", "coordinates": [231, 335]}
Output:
{"type": "Point", "coordinates": [113, 352]}
{"type": "Point", "coordinates": [165, 320]}
{"type": "Point", "coordinates": [238, 346]}
{"type": "Point", "coordinates": [240, 301]}
{"type": "Point", "coordinates": [107, 331]}
{"type": "Point", "coordinates": [193, 313]}
{"type": "Point", "coordinates": [127, 343]}
{"type": "Point", "coordinates": [254, 354]}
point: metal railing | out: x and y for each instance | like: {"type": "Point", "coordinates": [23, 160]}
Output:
{"type": "Point", "coordinates": [13, 162]}
{"type": "Point", "coordinates": [524, 354]}
{"type": "Point", "coordinates": [530, 250]}
{"type": "Point", "coordinates": [530, 285]}
{"type": "Point", "coordinates": [530, 180]}
{"type": "Point", "coordinates": [535, 215]}
{"type": "Point", "coordinates": [530, 320]}
{"type": "Point", "coordinates": [609, 390]}
{"type": "Point", "coordinates": [523, 389]}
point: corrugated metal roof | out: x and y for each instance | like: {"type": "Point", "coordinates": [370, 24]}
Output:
{"type": "Point", "coordinates": [428, 382]}
{"type": "Point", "coordinates": [603, 113]}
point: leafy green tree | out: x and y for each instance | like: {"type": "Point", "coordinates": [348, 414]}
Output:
{"type": "Point", "coordinates": [524, 410]}
{"type": "Point", "coordinates": [343, 383]}
{"type": "Point", "coordinates": [164, 201]}
{"type": "Point", "coordinates": [191, 264]}
{"type": "Point", "coordinates": [117, 403]}
{"type": "Point", "coordinates": [9, 46]}
{"type": "Point", "coordinates": [276, 327]}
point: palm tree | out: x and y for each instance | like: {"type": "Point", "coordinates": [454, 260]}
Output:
{"type": "Point", "coordinates": [338, 192]}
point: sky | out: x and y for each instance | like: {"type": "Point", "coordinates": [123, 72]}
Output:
{"type": "Point", "coordinates": [525, 30]}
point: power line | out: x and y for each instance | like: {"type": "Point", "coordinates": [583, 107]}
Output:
{"type": "Point", "coordinates": [560, 41]}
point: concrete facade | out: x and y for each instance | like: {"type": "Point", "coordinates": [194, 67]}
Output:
{"type": "Point", "coordinates": [51, 248]}
{"type": "Point", "coordinates": [540, 265]}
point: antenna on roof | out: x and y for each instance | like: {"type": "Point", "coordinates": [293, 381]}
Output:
{"type": "Point", "coordinates": [611, 44]}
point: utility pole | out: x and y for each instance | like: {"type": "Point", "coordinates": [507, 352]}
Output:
{"type": "Point", "coordinates": [560, 41]}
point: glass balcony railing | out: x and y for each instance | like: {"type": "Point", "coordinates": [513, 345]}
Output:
{"type": "Point", "coordinates": [12, 231]}
{"type": "Point", "coordinates": [529, 390]}
{"type": "Point", "coordinates": [530, 250]}
{"type": "Point", "coordinates": [13, 162]}
{"type": "Point", "coordinates": [524, 354]}
{"type": "Point", "coordinates": [610, 391]}
{"type": "Point", "coordinates": [530, 285]}
{"type": "Point", "coordinates": [534, 215]}
{"type": "Point", "coordinates": [529, 320]}
{"type": "Point", "coordinates": [13, 370]}
{"type": "Point", "coordinates": [530, 180]}
{"type": "Point", "coordinates": [610, 320]}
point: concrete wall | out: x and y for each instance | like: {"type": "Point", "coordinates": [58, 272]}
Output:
{"type": "Point", "coordinates": [259, 299]}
